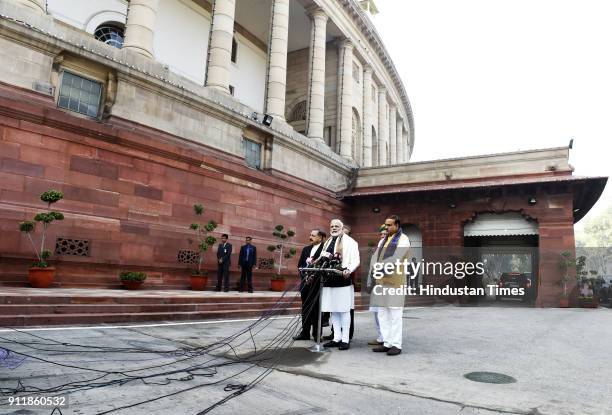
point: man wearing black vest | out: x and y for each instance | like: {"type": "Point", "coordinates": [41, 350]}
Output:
{"type": "Point", "coordinates": [224, 253]}
{"type": "Point", "coordinates": [310, 289]}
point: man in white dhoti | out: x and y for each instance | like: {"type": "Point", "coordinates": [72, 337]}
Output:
{"type": "Point", "coordinates": [338, 293]}
{"type": "Point", "coordinates": [394, 247]}
{"type": "Point", "coordinates": [370, 282]}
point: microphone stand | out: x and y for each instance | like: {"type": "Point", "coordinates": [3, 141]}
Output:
{"type": "Point", "coordinates": [317, 348]}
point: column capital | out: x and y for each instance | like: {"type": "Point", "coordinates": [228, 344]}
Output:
{"type": "Point", "coordinates": [345, 43]}
{"type": "Point", "coordinates": [317, 13]}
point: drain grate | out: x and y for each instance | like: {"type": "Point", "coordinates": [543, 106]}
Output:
{"type": "Point", "coordinates": [489, 377]}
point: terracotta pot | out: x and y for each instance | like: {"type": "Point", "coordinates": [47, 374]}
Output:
{"type": "Point", "coordinates": [564, 302]}
{"type": "Point", "coordinates": [132, 285]}
{"type": "Point", "coordinates": [41, 277]}
{"type": "Point", "coordinates": [199, 282]}
{"type": "Point", "coordinates": [277, 285]}
{"type": "Point", "coordinates": [588, 303]}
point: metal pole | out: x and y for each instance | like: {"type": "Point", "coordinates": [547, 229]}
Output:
{"type": "Point", "coordinates": [317, 348]}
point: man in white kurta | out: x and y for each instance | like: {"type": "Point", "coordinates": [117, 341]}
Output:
{"type": "Point", "coordinates": [338, 300]}
{"type": "Point", "coordinates": [395, 247]}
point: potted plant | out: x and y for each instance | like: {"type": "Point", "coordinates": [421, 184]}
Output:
{"type": "Point", "coordinates": [40, 274]}
{"type": "Point", "coordinates": [277, 283]}
{"type": "Point", "coordinates": [588, 299]}
{"type": "Point", "coordinates": [132, 280]}
{"type": "Point", "coordinates": [199, 277]}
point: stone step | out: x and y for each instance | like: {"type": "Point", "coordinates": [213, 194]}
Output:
{"type": "Point", "coordinates": [31, 309]}
{"type": "Point", "coordinates": [143, 298]}
{"type": "Point", "coordinates": [106, 318]}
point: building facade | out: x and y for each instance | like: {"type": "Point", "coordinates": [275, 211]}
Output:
{"type": "Point", "coordinates": [265, 111]}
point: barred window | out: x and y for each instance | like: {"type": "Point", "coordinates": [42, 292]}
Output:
{"type": "Point", "coordinates": [79, 94]}
{"type": "Point", "coordinates": [252, 154]}
{"type": "Point", "coordinates": [111, 34]}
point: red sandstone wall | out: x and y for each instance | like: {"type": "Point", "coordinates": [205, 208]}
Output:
{"type": "Point", "coordinates": [442, 226]}
{"type": "Point", "coordinates": [130, 191]}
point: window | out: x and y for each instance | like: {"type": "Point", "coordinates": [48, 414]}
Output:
{"type": "Point", "coordinates": [298, 113]}
{"type": "Point", "coordinates": [234, 50]}
{"type": "Point", "coordinates": [327, 133]}
{"type": "Point", "coordinates": [111, 34]}
{"type": "Point", "coordinates": [231, 88]}
{"type": "Point", "coordinates": [373, 94]}
{"type": "Point", "coordinates": [252, 154]}
{"type": "Point", "coordinates": [79, 94]}
{"type": "Point", "coordinates": [356, 70]}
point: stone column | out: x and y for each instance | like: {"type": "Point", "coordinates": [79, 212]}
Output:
{"type": "Point", "coordinates": [401, 144]}
{"type": "Point", "coordinates": [39, 6]}
{"type": "Point", "coordinates": [316, 75]}
{"type": "Point", "coordinates": [407, 151]}
{"type": "Point", "coordinates": [220, 45]}
{"type": "Point", "coordinates": [392, 134]}
{"type": "Point", "coordinates": [383, 127]}
{"type": "Point", "coordinates": [139, 26]}
{"type": "Point", "coordinates": [367, 116]}
{"type": "Point", "coordinates": [277, 59]}
{"type": "Point", "coordinates": [345, 106]}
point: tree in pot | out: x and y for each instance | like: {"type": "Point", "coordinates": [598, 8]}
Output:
{"type": "Point", "coordinates": [277, 282]}
{"type": "Point", "coordinates": [40, 274]}
{"type": "Point", "coordinates": [566, 263]}
{"type": "Point", "coordinates": [132, 280]}
{"type": "Point", "coordinates": [199, 277]}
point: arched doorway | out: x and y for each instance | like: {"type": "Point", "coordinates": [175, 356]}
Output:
{"type": "Point", "coordinates": [297, 116]}
{"type": "Point", "coordinates": [507, 245]}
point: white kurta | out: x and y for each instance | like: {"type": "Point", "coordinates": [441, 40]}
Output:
{"type": "Point", "coordinates": [342, 299]}
{"type": "Point", "coordinates": [337, 299]}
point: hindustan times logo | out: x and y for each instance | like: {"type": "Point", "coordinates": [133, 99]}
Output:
{"type": "Point", "coordinates": [457, 269]}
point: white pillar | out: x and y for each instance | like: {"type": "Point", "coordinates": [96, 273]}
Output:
{"type": "Point", "coordinates": [383, 127]}
{"type": "Point", "coordinates": [407, 151]}
{"type": "Point", "coordinates": [316, 75]}
{"type": "Point", "coordinates": [346, 99]}
{"type": "Point", "coordinates": [220, 45]}
{"type": "Point", "coordinates": [401, 144]}
{"type": "Point", "coordinates": [139, 27]}
{"type": "Point", "coordinates": [392, 134]}
{"type": "Point", "coordinates": [367, 116]}
{"type": "Point", "coordinates": [277, 59]}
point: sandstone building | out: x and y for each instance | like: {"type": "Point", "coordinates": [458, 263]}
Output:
{"type": "Point", "coordinates": [265, 111]}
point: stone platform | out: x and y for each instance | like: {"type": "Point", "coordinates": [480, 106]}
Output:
{"type": "Point", "coordinates": [21, 307]}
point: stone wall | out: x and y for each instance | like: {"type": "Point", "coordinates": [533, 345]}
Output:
{"type": "Point", "coordinates": [442, 226]}
{"type": "Point", "coordinates": [129, 192]}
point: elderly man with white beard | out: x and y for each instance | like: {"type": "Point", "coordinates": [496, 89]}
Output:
{"type": "Point", "coordinates": [338, 295]}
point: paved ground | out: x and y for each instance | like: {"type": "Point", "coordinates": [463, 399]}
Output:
{"type": "Point", "coordinates": [560, 359]}
{"type": "Point", "coordinates": [121, 293]}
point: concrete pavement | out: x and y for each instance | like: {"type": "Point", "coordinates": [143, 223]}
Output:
{"type": "Point", "coordinates": [560, 359]}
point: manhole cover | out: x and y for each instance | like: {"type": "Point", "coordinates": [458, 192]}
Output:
{"type": "Point", "coordinates": [489, 377]}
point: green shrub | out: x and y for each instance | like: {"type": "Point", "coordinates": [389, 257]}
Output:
{"type": "Point", "coordinates": [132, 276]}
